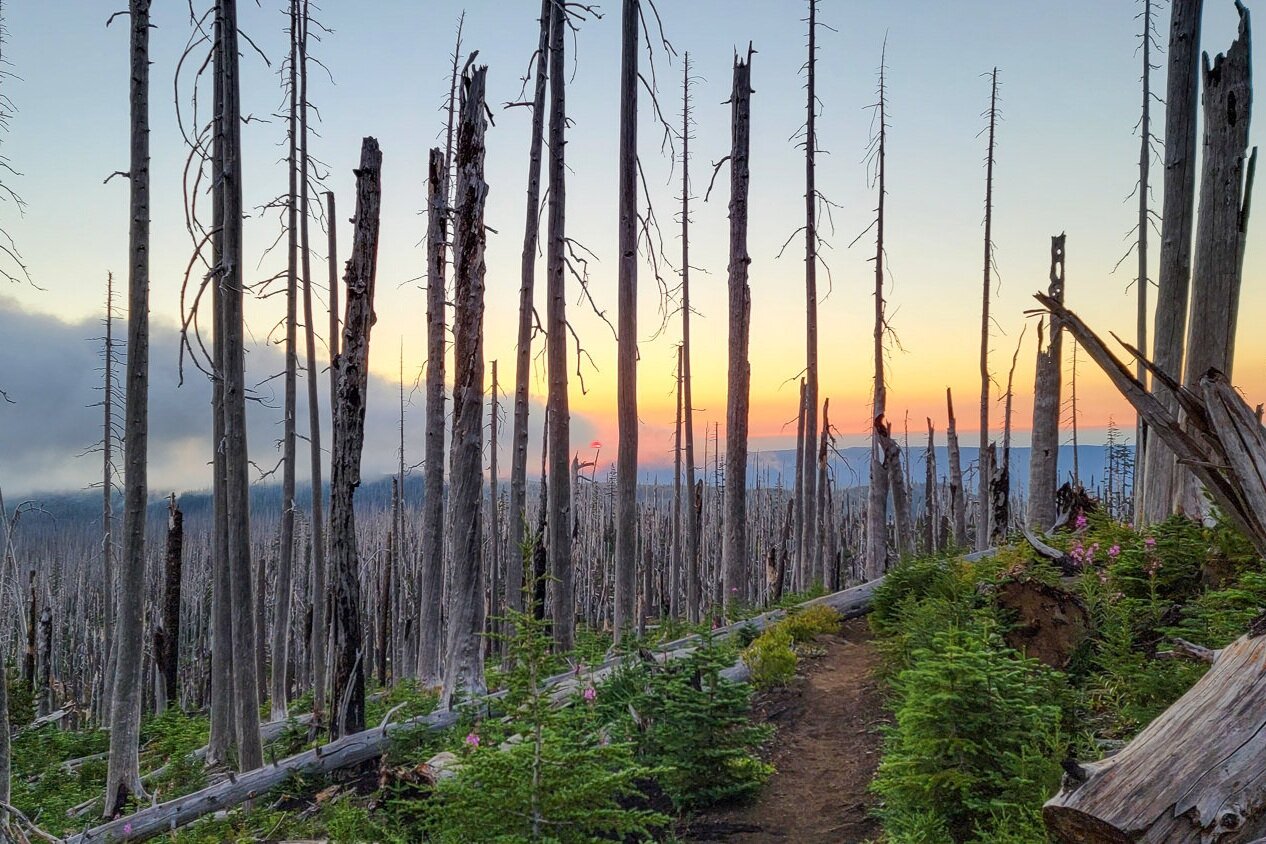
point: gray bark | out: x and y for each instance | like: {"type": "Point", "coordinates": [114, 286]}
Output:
{"type": "Point", "coordinates": [349, 439]}
{"type": "Point", "coordinates": [904, 523]}
{"type": "Point", "coordinates": [693, 586]}
{"type": "Point", "coordinates": [1181, 101]}
{"type": "Point", "coordinates": [877, 490]}
{"type": "Point", "coordinates": [808, 555]}
{"type": "Point", "coordinates": [931, 522]}
{"type": "Point", "coordinates": [734, 560]}
{"type": "Point", "coordinates": [626, 522]}
{"type": "Point", "coordinates": [1047, 403]}
{"type": "Point", "coordinates": [1141, 282]}
{"type": "Point", "coordinates": [464, 664]}
{"type": "Point", "coordinates": [430, 592]}
{"type": "Point", "coordinates": [957, 502]}
{"type": "Point", "coordinates": [559, 433]}
{"type": "Point", "coordinates": [985, 470]}
{"type": "Point", "coordinates": [800, 577]}
{"type": "Point", "coordinates": [123, 778]}
{"type": "Point", "coordinates": [1222, 225]}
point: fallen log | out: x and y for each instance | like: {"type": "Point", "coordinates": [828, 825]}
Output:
{"type": "Point", "coordinates": [1195, 775]}
{"type": "Point", "coordinates": [361, 747]}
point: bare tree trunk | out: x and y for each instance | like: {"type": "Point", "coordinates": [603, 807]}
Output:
{"type": "Point", "coordinates": [1141, 281]}
{"type": "Point", "coordinates": [800, 578]}
{"type": "Point", "coordinates": [678, 576]}
{"type": "Point", "coordinates": [1047, 401]}
{"type": "Point", "coordinates": [496, 574]}
{"type": "Point", "coordinates": [285, 551]}
{"type": "Point", "coordinates": [169, 633]}
{"type": "Point", "coordinates": [123, 778]}
{"type": "Point", "coordinates": [823, 514]}
{"type": "Point", "coordinates": [464, 666]}
{"type": "Point", "coordinates": [985, 470]}
{"type": "Point", "coordinates": [929, 493]}
{"type": "Point", "coordinates": [734, 562]}
{"type": "Point", "coordinates": [1181, 101]}
{"type": "Point", "coordinates": [44, 688]}
{"type": "Point", "coordinates": [517, 514]}
{"type": "Point", "coordinates": [958, 504]}
{"type": "Point", "coordinates": [382, 645]}
{"type": "Point", "coordinates": [107, 499]}
{"type": "Point", "coordinates": [1001, 486]}
{"type": "Point", "coordinates": [626, 523]}
{"type": "Point", "coordinates": [316, 639]}
{"type": "Point", "coordinates": [1225, 192]}
{"type": "Point", "coordinates": [904, 532]}
{"type": "Point", "coordinates": [693, 585]}
{"type": "Point", "coordinates": [560, 513]}
{"type": "Point", "coordinates": [349, 440]}
{"type": "Point", "coordinates": [809, 551]}
{"type": "Point", "coordinates": [877, 490]}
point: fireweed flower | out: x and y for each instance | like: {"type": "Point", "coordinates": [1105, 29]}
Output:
{"type": "Point", "coordinates": [590, 693]}
{"type": "Point", "coordinates": [1114, 551]}
{"type": "Point", "coordinates": [472, 739]}
{"type": "Point", "coordinates": [1081, 521]}
{"type": "Point", "coordinates": [1150, 542]}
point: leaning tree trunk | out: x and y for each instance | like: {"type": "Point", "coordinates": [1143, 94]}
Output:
{"type": "Point", "coordinates": [237, 465]}
{"type": "Point", "coordinates": [464, 666]}
{"type": "Point", "coordinates": [431, 587]}
{"type": "Point", "coordinates": [517, 513]}
{"type": "Point", "coordinates": [123, 779]}
{"type": "Point", "coordinates": [957, 503]}
{"type": "Point", "coordinates": [1047, 404]}
{"type": "Point", "coordinates": [1181, 100]}
{"type": "Point", "coordinates": [626, 522]}
{"type": "Point", "coordinates": [349, 440]}
{"type": "Point", "coordinates": [558, 544]}
{"type": "Point", "coordinates": [1224, 201]}
{"type": "Point", "coordinates": [734, 550]}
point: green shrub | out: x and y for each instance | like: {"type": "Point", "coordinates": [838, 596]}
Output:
{"type": "Point", "coordinates": [811, 622]}
{"type": "Point", "coordinates": [770, 659]}
{"type": "Point", "coordinates": [976, 733]}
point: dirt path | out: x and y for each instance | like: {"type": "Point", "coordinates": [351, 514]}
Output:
{"type": "Point", "coordinates": [825, 752]}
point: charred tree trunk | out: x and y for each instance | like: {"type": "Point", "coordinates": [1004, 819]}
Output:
{"type": "Point", "coordinates": [464, 666]}
{"type": "Point", "coordinates": [626, 522]}
{"type": "Point", "coordinates": [823, 515]}
{"type": "Point", "coordinates": [1225, 192]}
{"type": "Point", "coordinates": [169, 632]}
{"type": "Point", "coordinates": [123, 778]}
{"type": "Point", "coordinates": [107, 501]}
{"type": "Point", "coordinates": [675, 561]}
{"type": "Point", "coordinates": [904, 522]}
{"type": "Point", "coordinates": [431, 588]}
{"type": "Point", "coordinates": [930, 517]}
{"type": "Point", "coordinates": [517, 514]}
{"type": "Point", "coordinates": [349, 439]}
{"type": "Point", "coordinates": [957, 502]}
{"type": "Point", "coordinates": [1047, 402]}
{"type": "Point", "coordinates": [985, 470]}
{"type": "Point", "coordinates": [808, 490]}
{"type": "Point", "coordinates": [877, 490]}
{"type": "Point", "coordinates": [734, 564]}
{"type": "Point", "coordinates": [800, 577]}
{"type": "Point", "coordinates": [558, 544]}
{"type": "Point", "coordinates": [693, 585]}
{"type": "Point", "coordinates": [1181, 101]}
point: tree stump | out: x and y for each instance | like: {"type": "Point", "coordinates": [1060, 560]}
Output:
{"type": "Point", "coordinates": [1049, 623]}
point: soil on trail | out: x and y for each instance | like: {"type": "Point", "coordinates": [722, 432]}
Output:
{"type": "Point", "coordinates": [825, 751]}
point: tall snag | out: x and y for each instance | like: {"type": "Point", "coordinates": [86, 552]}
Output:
{"type": "Point", "coordinates": [349, 439]}
{"type": "Point", "coordinates": [1225, 191]}
{"type": "Point", "coordinates": [558, 544]}
{"type": "Point", "coordinates": [167, 637]}
{"type": "Point", "coordinates": [691, 563]}
{"type": "Point", "coordinates": [985, 471]}
{"type": "Point", "coordinates": [123, 778]}
{"type": "Point", "coordinates": [880, 471]}
{"type": "Point", "coordinates": [807, 491]}
{"type": "Point", "coordinates": [931, 522]}
{"type": "Point", "coordinates": [1047, 401]}
{"type": "Point", "coordinates": [957, 502]}
{"type": "Point", "coordinates": [734, 562]}
{"type": "Point", "coordinates": [1169, 329]}
{"type": "Point", "coordinates": [1144, 221]}
{"type": "Point", "coordinates": [464, 667]}
{"type": "Point", "coordinates": [431, 586]}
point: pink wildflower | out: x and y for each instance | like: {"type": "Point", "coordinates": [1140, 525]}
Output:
{"type": "Point", "coordinates": [1081, 521]}
{"type": "Point", "coordinates": [1150, 542]}
{"type": "Point", "coordinates": [1114, 551]}
{"type": "Point", "coordinates": [473, 739]}
{"type": "Point", "coordinates": [590, 693]}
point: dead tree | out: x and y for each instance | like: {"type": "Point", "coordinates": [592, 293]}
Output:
{"type": "Point", "coordinates": [1144, 222]}
{"type": "Point", "coordinates": [983, 467]}
{"type": "Point", "coordinates": [1169, 329]}
{"type": "Point", "coordinates": [431, 587]}
{"type": "Point", "coordinates": [1047, 401]}
{"type": "Point", "coordinates": [517, 513]}
{"type": "Point", "coordinates": [677, 576]}
{"type": "Point", "coordinates": [123, 778]}
{"type": "Point", "coordinates": [904, 522]}
{"type": "Point", "coordinates": [558, 544]}
{"type": "Point", "coordinates": [809, 551]}
{"type": "Point", "coordinates": [167, 638]}
{"type": "Point", "coordinates": [1000, 519]}
{"type": "Point", "coordinates": [107, 501]}
{"type": "Point", "coordinates": [877, 490]}
{"type": "Point", "coordinates": [1225, 191]}
{"type": "Point", "coordinates": [693, 596]}
{"type": "Point", "coordinates": [349, 439]}
{"type": "Point", "coordinates": [957, 502]}
{"type": "Point", "coordinates": [823, 499]}
{"type": "Point", "coordinates": [464, 666]}
{"type": "Point", "coordinates": [929, 493]}
{"type": "Point", "coordinates": [800, 576]}
{"type": "Point", "coordinates": [626, 522]}
{"type": "Point", "coordinates": [285, 553]}
{"type": "Point", "coordinates": [495, 567]}
{"type": "Point", "coordinates": [734, 564]}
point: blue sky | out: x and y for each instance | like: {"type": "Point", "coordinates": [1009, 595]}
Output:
{"type": "Point", "coordinates": [1067, 159]}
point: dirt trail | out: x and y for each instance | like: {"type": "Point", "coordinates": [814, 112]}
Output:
{"type": "Point", "coordinates": [825, 752]}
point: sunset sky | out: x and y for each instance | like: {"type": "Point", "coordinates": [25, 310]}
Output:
{"type": "Point", "coordinates": [1067, 160]}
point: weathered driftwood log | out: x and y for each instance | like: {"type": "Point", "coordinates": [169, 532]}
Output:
{"type": "Point", "coordinates": [361, 747]}
{"type": "Point", "coordinates": [1196, 774]}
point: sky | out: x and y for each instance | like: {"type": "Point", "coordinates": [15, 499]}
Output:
{"type": "Point", "coordinates": [1067, 158]}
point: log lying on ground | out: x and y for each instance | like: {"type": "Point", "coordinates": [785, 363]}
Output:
{"type": "Point", "coordinates": [1197, 774]}
{"type": "Point", "coordinates": [363, 746]}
